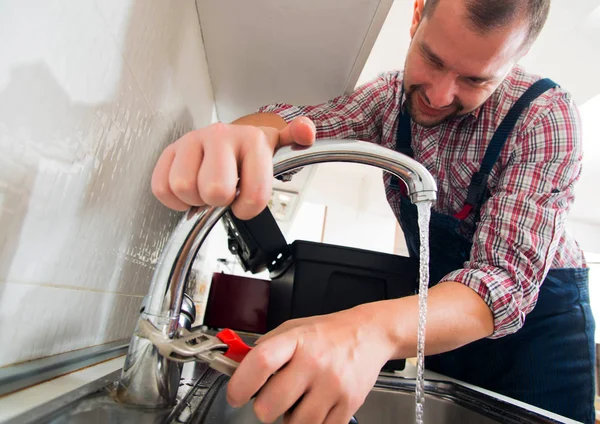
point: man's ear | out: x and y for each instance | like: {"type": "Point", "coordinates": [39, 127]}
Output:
{"type": "Point", "coordinates": [417, 15]}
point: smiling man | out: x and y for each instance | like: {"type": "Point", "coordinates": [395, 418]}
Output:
{"type": "Point", "coordinates": [509, 307]}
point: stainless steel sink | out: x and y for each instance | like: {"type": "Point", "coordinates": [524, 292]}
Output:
{"type": "Point", "coordinates": [201, 400]}
{"type": "Point", "coordinates": [392, 401]}
{"type": "Point", "coordinates": [382, 406]}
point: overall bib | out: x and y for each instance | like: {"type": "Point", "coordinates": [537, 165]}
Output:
{"type": "Point", "coordinates": [549, 362]}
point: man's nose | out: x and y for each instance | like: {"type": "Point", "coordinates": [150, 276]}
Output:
{"type": "Point", "coordinates": [442, 92]}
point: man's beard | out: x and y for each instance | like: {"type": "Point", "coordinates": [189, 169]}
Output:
{"type": "Point", "coordinates": [419, 118]}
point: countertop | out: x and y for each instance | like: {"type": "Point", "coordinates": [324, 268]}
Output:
{"type": "Point", "coordinates": [17, 403]}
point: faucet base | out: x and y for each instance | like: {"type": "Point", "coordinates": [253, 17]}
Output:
{"type": "Point", "coordinates": [148, 379]}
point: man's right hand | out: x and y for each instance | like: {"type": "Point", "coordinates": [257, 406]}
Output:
{"type": "Point", "coordinates": [203, 166]}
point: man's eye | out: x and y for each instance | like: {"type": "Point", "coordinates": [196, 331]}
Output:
{"type": "Point", "coordinates": [475, 81]}
{"type": "Point", "coordinates": [433, 62]}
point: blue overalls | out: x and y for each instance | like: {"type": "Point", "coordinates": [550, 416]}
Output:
{"type": "Point", "coordinates": [549, 362]}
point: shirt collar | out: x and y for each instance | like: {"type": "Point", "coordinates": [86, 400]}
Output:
{"type": "Point", "coordinates": [473, 115]}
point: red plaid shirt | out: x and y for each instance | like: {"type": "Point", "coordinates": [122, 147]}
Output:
{"type": "Point", "coordinates": [522, 231]}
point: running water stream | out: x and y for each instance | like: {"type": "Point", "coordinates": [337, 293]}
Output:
{"type": "Point", "coordinates": [424, 213]}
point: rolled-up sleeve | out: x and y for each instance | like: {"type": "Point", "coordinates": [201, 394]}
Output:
{"type": "Point", "coordinates": [357, 115]}
{"type": "Point", "coordinates": [522, 222]}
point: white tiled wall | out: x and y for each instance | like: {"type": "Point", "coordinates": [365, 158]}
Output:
{"type": "Point", "coordinates": [91, 91]}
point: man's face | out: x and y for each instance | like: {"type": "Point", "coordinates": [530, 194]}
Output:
{"type": "Point", "coordinates": [451, 69]}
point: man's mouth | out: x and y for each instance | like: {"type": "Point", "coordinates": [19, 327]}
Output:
{"type": "Point", "coordinates": [429, 110]}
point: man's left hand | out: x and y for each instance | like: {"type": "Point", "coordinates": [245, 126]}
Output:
{"type": "Point", "coordinates": [330, 361]}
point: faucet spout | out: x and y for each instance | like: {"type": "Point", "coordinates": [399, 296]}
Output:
{"type": "Point", "coordinates": [148, 379]}
{"type": "Point", "coordinates": [420, 183]}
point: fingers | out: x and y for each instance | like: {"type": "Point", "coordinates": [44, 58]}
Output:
{"type": "Point", "coordinates": [281, 392]}
{"type": "Point", "coordinates": [300, 131]}
{"type": "Point", "coordinates": [255, 180]}
{"type": "Point", "coordinates": [313, 408]}
{"type": "Point", "coordinates": [339, 414]}
{"type": "Point", "coordinates": [202, 166]}
{"type": "Point", "coordinates": [217, 179]}
{"type": "Point", "coordinates": [183, 176]}
{"type": "Point", "coordinates": [256, 368]}
{"type": "Point", "coordinates": [308, 371]}
{"type": "Point", "coordinates": [160, 181]}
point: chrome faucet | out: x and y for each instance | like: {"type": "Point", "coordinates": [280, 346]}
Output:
{"type": "Point", "coordinates": [149, 379]}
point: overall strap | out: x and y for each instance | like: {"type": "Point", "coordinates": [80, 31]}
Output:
{"type": "Point", "coordinates": [403, 140]}
{"type": "Point", "coordinates": [478, 185]}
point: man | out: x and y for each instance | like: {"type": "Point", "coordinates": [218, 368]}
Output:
{"type": "Point", "coordinates": [510, 310]}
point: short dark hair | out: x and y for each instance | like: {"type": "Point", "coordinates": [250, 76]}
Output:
{"type": "Point", "coordinates": [487, 15]}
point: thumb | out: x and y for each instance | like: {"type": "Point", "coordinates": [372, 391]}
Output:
{"type": "Point", "coordinates": [300, 131]}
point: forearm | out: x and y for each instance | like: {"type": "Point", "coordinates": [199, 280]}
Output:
{"type": "Point", "coordinates": [456, 316]}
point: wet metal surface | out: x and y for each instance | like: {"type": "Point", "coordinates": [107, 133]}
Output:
{"type": "Point", "coordinates": [202, 400]}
